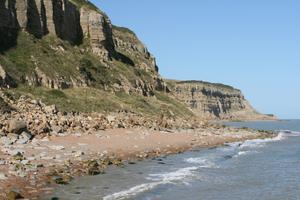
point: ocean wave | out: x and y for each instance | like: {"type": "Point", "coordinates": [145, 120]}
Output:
{"type": "Point", "coordinates": [201, 162]}
{"type": "Point", "coordinates": [262, 142]}
{"type": "Point", "coordinates": [132, 191]}
{"type": "Point", "coordinates": [243, 153]}
{"type": "Point", "coordinates": [289, 133]}
{"type": "Point", "coordinates": [171, 177]}
{"type": "Point", "coordinates": [179, 175]}
{"type": "Point", "coordinates": [184, 175]}
{"type": "Point", "coordinates": [233, 144]}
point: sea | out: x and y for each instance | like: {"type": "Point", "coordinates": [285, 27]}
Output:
{"type": "Point", "coordinates": [261, 169]}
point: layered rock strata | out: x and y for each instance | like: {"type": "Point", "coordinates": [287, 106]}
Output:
{"type": "Point", "coordinates": [215, 101]}
{"type": "Point", "coordinates": [77, 22]}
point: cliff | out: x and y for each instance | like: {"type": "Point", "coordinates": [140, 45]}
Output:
{"type": "Point", "coordinates": [68, 53]}
{"type": "Point", "coordinates": [215, 101]}
{"type": "Point", "coordinates": [33, 30]}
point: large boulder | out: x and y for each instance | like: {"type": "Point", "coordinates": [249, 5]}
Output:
{"type": "Point", "coordinates": [16, 126]}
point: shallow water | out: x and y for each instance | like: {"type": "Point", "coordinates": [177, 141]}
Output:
{"type": "Point", "coordinates": [257, 169]}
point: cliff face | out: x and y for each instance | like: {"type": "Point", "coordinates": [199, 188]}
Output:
{"type": "Point", "coordinates": [215, 101]}
{"type": "Point", "coordinates": [94, 42]}
{"type": "Point", "coordinates": [62, 18]}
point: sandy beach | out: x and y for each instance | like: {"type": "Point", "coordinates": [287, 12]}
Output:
{"type": "Point", "coordinates": [36, 168]}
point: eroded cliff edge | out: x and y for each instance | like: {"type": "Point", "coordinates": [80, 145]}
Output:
{"type": "Point", "coordinates": [215, 101]}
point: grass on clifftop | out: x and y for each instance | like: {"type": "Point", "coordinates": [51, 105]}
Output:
{"type": "Point", "coordinates": [173, 83]}
{"type": "Point", "coordinates": [95, 100]}
{"type": "Point", "coordinates": [86, 3]}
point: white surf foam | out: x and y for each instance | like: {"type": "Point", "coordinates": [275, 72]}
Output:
{"type": "Point", "coordinates": [177, 175]}
{"type": "Point", "coordinates": [183, 175]}
{"type": "Point", "coordinates": [180, 175]}
{"type": "Point", "coordinates": [243, 153]}
{"type": "Point", "coordinates": [289, 133]}
{"type": "Point", "coordinates": [234, 144]}
{"type": "Point", "coordinates": [262, 142]}
{"type": "Point", "coordinates": [132, 191]}
{"type": "Point", "coordinates": [202, 162]}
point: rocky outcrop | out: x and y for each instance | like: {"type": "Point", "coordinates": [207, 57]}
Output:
{"type": "Point", "coordinates": [98, 28]}
{"type": "Point", "coordinates": [215, 101]}
{"type": "Point", "coordinates": [5, 80]}
{"type": "Point", "coordinates": [128, 44]}
{"type": "Point", "coordinates": [39, 78]}
{"type": "Point", "coordinates": [62, 18]}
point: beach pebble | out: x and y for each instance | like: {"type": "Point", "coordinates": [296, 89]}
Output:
{"type": "Point", "coordinates": [2, 162]}
{"type": "Point", "coordinates": [24, 138]}
{"type": "Point", "coordinates": [58, 148]}
{"type": "Point", "coordinates": [78, 153]}
{"type": "Point", "coordinates": [24, 162]}
{"type": "Point", "coordinates": [82, 144]}
{"type": "Point", "coordinates": [48, 158]}
{"type": "Point", "coordinates": [3, 176]}
{"type": "Point", "coordinates": [5, 141]}
{"type": "Point", "coordinates": [14, 194]}
{"type": "Point", "coordinates": [31, 158]}
{"type": "Point", "coordinates": [45, 139]}
{"type": "Point", "coordinates": [13, 137]}
{"type": "Point", "coordinates": [78, 134]}
{"type": "Point", "coordinates": [15, 152]}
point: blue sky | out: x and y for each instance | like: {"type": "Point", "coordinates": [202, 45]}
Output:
{"type": "Point", "coordinates": [251, 45]}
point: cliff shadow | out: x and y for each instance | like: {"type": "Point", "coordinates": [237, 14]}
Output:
{"type": "Point", "coordinates": [34, 25]}
{"type": "Point", "coordinates": [9, 28]}
{"type": "Point", "coordinates": [8, 38]}
{"type": "Point", "coordinates": [45, 30]}
{"type": "Point", "coordinates": [123, 58]}
{"type": "Point", "coordinates": [66, 19]}
{"type": "Point", "coordinates": [109, 45]}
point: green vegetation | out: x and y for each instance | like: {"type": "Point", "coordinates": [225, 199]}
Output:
{"type": "Point", "coordinates": [55, 57]}
{"type": "Point", "coordinates": [172, 84]}
{"type": "Point", "coordinates": [52, 55]}
{"type": "Point", "coordinates": [86, 3]}
{"type": "Point", "coordinates": [95, 100]}
{"type": "Point", "coordinates": [123, 30]}
{"type": "Point", "coordinates": [125, 34]}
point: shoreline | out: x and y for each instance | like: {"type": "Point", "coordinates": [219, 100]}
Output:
{"type": "Point", "coordinates": [46, 163]}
